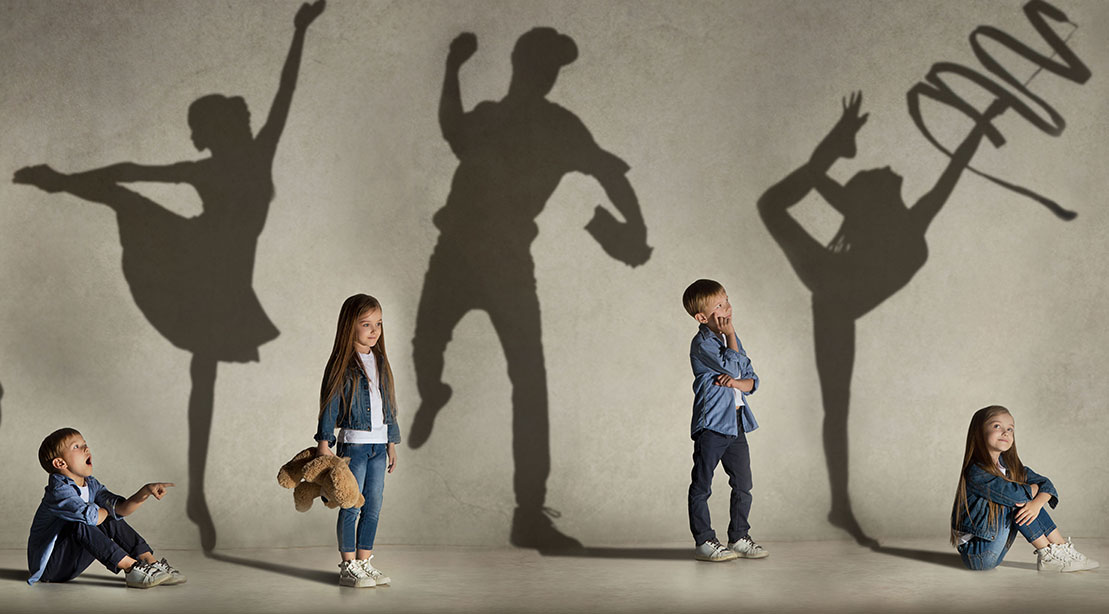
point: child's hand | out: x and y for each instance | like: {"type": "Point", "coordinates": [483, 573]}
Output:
{"type": "Point", "coordinates": [308, 13]}
{"type": "Point", "coordinates": [1028, 512]}
{"type": "Point", "coordinates": [391, 455]}
{"type": "Point", "coordinates": [724, 325]}
{"type": "Point", "coordinates": [324, 450]}
{"type": "Point", "coordinates": [157, 489]}
{"type": "Point", "coordinates": [725, 380]}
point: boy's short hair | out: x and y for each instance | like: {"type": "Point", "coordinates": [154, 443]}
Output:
{"type": "Point", "coordinates": [53, 446]}
{"type": "Point", "coordinates": [698, 294]}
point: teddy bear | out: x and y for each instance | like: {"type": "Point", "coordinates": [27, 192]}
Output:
{"type": "Point", "coordinates": [328, 476]}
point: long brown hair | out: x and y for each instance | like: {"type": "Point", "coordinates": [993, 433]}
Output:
{"type": "Point", "coordinates": [343, 363]}
{"type": "Point", "coordinates": [977, 453]}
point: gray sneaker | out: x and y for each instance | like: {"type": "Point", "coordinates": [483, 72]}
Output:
{"type": "Point", "coordinates": [175, 576]}
{"type": "Point", "coordinates": [379, 577]}
{"type": "Point", "coordinates": [746, 548]}
{"type": "Point", "coordinates": [714, 551]}
{"type": "Point", "coordinates": [145, 575]}
{"type": "Point", "coordinates": [351, 573]}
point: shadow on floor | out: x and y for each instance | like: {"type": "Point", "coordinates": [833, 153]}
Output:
{"type": "Point", "coordinates": [945, 559]}
{"type": "Point", "coordinates": [662, 554]}
{"type": "Point", "coordinates": [301, 573]}
{"type": "Point", "coordinates": [20, 575]}
{"type": "Point", "coordinates": [14, 574]}
{"type": "Point", "coordinates": [1025, 566]}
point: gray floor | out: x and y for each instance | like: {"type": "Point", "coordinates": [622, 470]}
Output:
{"type": "Point", "coordinates": [828, 576]}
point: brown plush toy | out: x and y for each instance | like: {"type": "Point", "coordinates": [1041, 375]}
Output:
{"type": "Point", "coordinates": [312, 476]}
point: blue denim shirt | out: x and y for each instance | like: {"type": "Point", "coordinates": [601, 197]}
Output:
{"type": "Point", "coordinates": [983, 487]}
{"type": "Point", "coordinates": [61, 504]}
{"type": "Point", "coordinates": [714, 407]}
{"type": "Point", "coordinates": [359, 416]}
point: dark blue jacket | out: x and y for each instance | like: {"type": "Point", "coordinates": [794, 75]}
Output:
{"type": "Point", "coordinates": [61, 504]}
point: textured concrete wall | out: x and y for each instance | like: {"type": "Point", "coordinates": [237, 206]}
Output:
{"type": "Point", "coordinates": [709, 103]}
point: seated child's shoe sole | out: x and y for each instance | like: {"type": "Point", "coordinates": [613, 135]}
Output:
{"type": "Point", "coordinates": [151, 584]}
{"type": "Point", "coordinates": [719, 559]}
{"type": "Point", "coordinates": [357, 582]}
{"type": "Point", "coordinates": [174, 581]}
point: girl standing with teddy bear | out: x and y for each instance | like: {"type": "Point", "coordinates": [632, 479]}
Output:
{"type": "Point", "coordinates": [357, 397]}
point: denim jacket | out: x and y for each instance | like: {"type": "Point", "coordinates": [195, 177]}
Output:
{"type": "Point", "coordinates": [61, 504]}
{"type": "Point", "coordinates": [358, 417]}
{"type": "Point", "coordinates": [714, 407]}
{"type": "Point", "coordinates": [983, 487]}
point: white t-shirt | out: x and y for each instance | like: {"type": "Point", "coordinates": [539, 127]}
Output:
{"type": "Point", "coordinates": [377, 432]}
{"type": "Point", "coordinates": [84, 492]}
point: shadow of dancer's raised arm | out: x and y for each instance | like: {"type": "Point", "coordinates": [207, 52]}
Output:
{"type": "Point", "coordinates": [926, 208]}
{"type": "Point", "coordinates": [838, 143]}
{"type": "Point", "coordinates": [270, 133]}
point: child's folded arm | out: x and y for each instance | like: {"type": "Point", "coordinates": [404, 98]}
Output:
{"type": "Point", "coordinates": [1043, 484]}
{"type": "Point", "coordinates": [72, 508]}
{"type": "Point", "coordinates": [996, 488]}
{"type": "Point", "coordinates": [721, 359]}
{"type": "Point", "coordinates": [108, 501]}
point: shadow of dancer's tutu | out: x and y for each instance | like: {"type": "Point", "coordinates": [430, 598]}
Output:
{"type": "Point", "coordinates": [192, 278]}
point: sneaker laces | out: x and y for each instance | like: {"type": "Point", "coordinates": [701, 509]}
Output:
{"type": "Point", "coordinates": [717, 547]}
{"type": "Point", "coordinates": [753, 546]}
{"type": "Point", "coordinates": [1062, 552]}
{"type": "Point", "coordinates": [355, 569]}
{"type": "Point", "coordinates": [1074, 554]}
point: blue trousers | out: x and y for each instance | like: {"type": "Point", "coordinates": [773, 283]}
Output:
{"type": "Point", "coordinates": [710, 449]}
{"type": "Point", "coordinates": [357, 527]}
{"type": "Point", "coordinates": [981, 554]}
{"type": "Point", "coordinates": [79, 544]}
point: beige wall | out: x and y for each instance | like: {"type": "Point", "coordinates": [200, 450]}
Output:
{"type": "Point", "coordinates": [710, 104]}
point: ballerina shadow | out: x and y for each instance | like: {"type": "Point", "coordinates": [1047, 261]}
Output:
{"type": "Point", "coordinates": [512, 155]}
{"type": "Point", "coordinates": [878, 249]}
{"type": "Point", "coordinates": [192, 278]}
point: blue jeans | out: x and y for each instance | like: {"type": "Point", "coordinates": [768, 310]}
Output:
{"type": "Point", "coordinates": [709, 450]}
{"type": "Point", "coordinates": [980, 554]}
{"type": "Point", "coordinates": [79, 544]}
{"type": "Point", "coordinates": [357, 527]}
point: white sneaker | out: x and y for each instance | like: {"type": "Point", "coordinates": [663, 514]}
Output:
{"type": "Point", "coordinates": [1081, 561]}
{"type": "Point", "coordinates": [175, 576]}
{"type": "Point", "coordinates": [352, 574]}
{"type": "Point", "coordinates": [746, 548]}
{"type": "Point", "coordinates": [145, 575]}
{"type": "Point", "coordinates": [375, 573]}
{"type": "Point", "coordinates": [1063, 558]}
{"type": "Point", "coordinates": [714, 551]}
